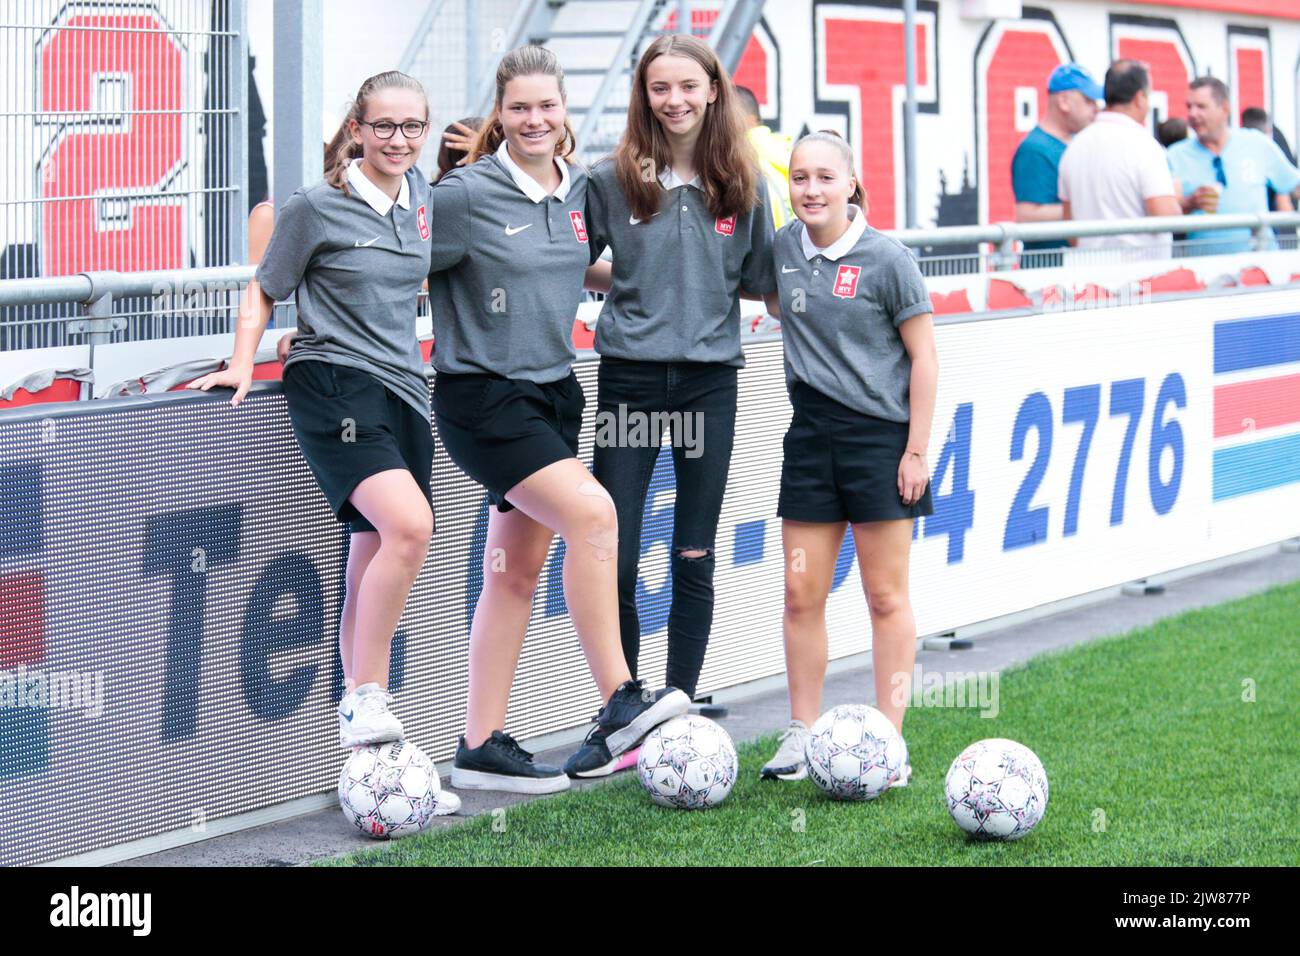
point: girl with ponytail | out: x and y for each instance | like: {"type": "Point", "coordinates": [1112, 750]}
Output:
{"type": "Point", "coordinates": [353, 251]}
{"type": "Point", "coordinates": [510, 259]}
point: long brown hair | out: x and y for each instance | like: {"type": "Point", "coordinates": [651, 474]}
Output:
{"type": "Point", "coordinates": [724, 160]}
{"type": "Point", "coordinates": [838, 143]}
{"type": "Point", "coordinates": [341, 150]}
{"type": "Point", "coordinates": [530, 60]}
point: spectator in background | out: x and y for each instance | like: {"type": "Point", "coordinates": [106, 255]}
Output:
{"type": "Point", "coordinates": [1225, 170]}
{"type": "Point", "coordinates": [773, 151]}
{"type": "Point", "coordinates": [1252, 117]}
{"type": "Point", "coordinates": [1172, 130]}
{"type": "Point", "coordinates": [1115, 169]}
{"type": "Point", "coordinates": [1072, 96]}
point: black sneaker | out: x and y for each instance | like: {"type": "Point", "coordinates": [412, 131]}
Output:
{"type": "Point", "coordinates": [632, 712]}
{"type": "Point", "coordinates": [593, 758]}
{"type": "Point", "coordinates": [499, 763]}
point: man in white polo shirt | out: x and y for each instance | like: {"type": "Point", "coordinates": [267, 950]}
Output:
{"type": "Point", "coordinates": [1115, 169]}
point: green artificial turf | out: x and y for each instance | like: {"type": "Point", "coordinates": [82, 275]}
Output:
{"type": "Point", "coordinates": [1153, 758]}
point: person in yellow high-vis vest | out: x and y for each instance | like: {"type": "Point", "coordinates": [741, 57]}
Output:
{"type": "Point", "coordinates": [773, 151]}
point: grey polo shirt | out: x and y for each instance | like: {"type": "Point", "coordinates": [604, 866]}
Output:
{"type": "Point", "coordinates": [508, 265]}
{"type": "Point", "coordinates": [677, 276]}
{"type": "Point", "coordinates": [355, 264]}
{"type": "Point", "coordinates": [840, 311]}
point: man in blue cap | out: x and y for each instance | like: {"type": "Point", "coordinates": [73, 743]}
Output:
{"type": "Point", "coordinates": [1072, 96]}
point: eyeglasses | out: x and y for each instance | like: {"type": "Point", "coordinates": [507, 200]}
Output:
{"type": "Point", "coordinates": [411, 129]}
{"type": "Point", "coordinates": [1218, 171]}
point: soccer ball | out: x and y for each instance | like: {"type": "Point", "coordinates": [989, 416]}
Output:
{"type": "Point", "coordinates": [854, 752]}
{"type": "Point", "coordinates": [997, 789]}
{"type": "Point", "coordinates": [389, 790]}
{"type": "Point", "coordinates": [688, 762]}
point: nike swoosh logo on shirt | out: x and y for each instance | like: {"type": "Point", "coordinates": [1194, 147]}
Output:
{"type": "Point", "coordinates": [634, 221]}
{"type": "Point", "coordinates": [511, 232]}
{"type": "Point", "coordinates": [784, 270]}
{"type": "Point", "coordinates": [362, 245]}
{"type": "Point", "coordinates": [348, 716]}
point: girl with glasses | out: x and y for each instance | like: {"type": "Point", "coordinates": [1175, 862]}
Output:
{"type": "Point", "coordinates": [353, 251]}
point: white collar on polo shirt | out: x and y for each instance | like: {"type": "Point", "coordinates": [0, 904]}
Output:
{"type": "Point", "coordinates": [529, 186]}
{"type": "Point", "coordinates": [669, 179]}
{"type": "Point", "coordinates": [841, 246]}
{"type": "Point", "coordinates": [375, 197]}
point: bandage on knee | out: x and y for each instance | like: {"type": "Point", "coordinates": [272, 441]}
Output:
{"type": "Point", "coordinates": [605, 543]}
{"type": "Point", "coordinates": [594, 489]}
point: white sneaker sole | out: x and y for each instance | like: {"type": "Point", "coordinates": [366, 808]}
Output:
{"type": "Point", "coordinates": [670, 706]}
{"type": "Point", "coordinates": [799, 774]}
{"type": "Point", "coordinates": [904, 777]}
{"type": "Point", "coordinates": [362, 739]}
{"type": "Point", "coordinates": [481, 780]}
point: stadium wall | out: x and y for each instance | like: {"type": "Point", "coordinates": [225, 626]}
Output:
{"type": "Point", "coordinates": [171, 578]}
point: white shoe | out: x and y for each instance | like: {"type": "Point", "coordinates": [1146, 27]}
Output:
{"type": "Point", "coordinates": [447, 804]}
{"type": "Point", "coordinates": [904, 776]}
{"type": "Point", "coordinates": [364, 717]}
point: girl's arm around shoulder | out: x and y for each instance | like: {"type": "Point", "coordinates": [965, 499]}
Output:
{"type": "Point", "coordinates": [450, 220]}
{"type": "Point", "coordinates": [599, 276]}
{"type": "Point", "coordinates": [758, 271]}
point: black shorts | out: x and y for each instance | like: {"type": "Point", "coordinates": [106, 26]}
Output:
{"type": "Point", "coordinates": [501, 430]}
{"type": "Point", "coordinates": [388, 432]}
{"type": "Point", "coordinates": [842, 465]}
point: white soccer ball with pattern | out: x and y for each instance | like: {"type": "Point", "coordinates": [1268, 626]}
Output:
{"type": "Point", "coordinates": [854, 752]}
{"type": "Point", "coordinates": [389, 790]}
{"type": "Point", "coordinates": [997, 789]}
{"type": "Point", "coordinates": [688, 762]}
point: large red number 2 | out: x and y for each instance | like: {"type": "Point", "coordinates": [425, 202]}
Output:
{"type": "Point", "coordinates": [112, 84]}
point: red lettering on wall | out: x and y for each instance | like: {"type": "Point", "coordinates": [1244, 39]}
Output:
{"type": "Point", "coordinates": [109, 82]}
{"type": "Point", "coordinates": [1020, 61]}
{"type": "Point", "coordinates": [1249, 81]}
{"type": "Point", "coordinates": [1170, 70]}
{"type": "Point", "coordinates": [876, 78]}
{"type": "Point", "coordinates": [750, 72]}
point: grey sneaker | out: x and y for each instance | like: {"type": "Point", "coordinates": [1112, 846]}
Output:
{"type": "Point", "coordinates": [789, 762]}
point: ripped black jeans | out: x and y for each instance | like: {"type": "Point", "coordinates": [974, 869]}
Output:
{"type": "Point", "coordinates": [694, 404]}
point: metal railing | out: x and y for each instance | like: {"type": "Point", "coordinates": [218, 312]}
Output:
{"type": "Point", "coordinates": [98, 308]}
{"type": "Point", "coordinates": [997, 246]}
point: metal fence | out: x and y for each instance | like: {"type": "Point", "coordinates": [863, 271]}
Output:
{"type": "Point", "coordinates": [100, 308]}
{"type": "Point", "coordinates": [125, 136]}
{"type": "Point", "coordinates": [457, 45]}
{"type": "Point", "coordinates": [454, 52]}
{"type": "Point", "coordinates": [965, 250]}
